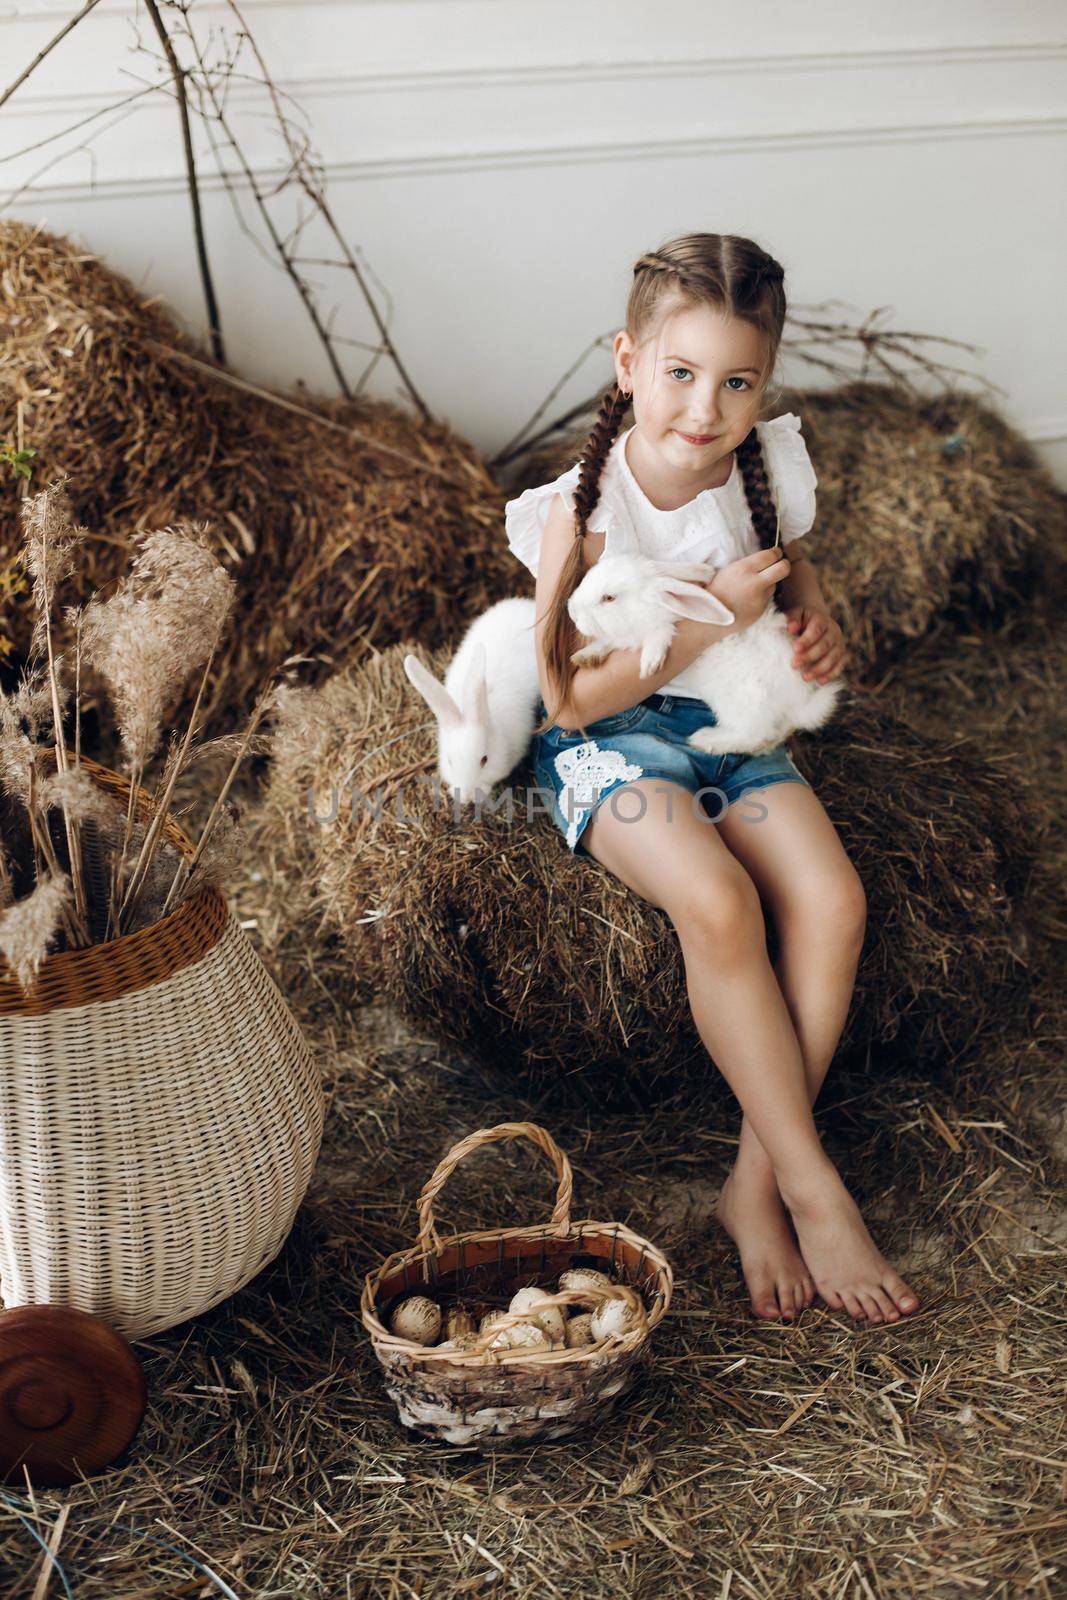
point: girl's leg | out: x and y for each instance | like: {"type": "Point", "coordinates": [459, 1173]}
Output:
{"type": "Point", "coordinates": [677, 861]}
{"type": "Point", "coordinates": [795, 857]}
{"type": "Point", "coordinates": [816, 900]}
{"type": "Point", "coordinates": [750, 1207]}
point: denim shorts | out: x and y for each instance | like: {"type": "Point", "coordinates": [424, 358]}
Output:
{"type": "Point", "coordinates": [648, 741]}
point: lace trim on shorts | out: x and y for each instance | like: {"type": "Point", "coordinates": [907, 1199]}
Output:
{"type": "Point", "coordinates": [587, 770]}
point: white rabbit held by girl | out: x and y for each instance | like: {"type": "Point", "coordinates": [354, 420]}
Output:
{"type": "Point", "coordinates": [486, 708]}
{"type": "Point", "coordinates": [747, 679]}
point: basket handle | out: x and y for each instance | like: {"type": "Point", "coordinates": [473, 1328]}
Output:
{"type": "Point", "coordinates": [568, 1297]}
{"type": "Point", "coordinates": [428, 1239]}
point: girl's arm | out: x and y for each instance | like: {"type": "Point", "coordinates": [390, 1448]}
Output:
{"type": "Point", "coordinates": [821, 651]}
{"type": "Point", "coordinates": [616, 684]}
{"type": "Point", "coordinates": [801, 587]}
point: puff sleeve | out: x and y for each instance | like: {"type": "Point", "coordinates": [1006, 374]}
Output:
{"type": "Point", "coordinates": [525, 518]}
{"type": "Point", "coordinates": [791, 473]}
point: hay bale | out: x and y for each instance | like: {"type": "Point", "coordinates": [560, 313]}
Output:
{"type": "Point", "coordinates": [1002, 682]}
{"type": "Point", "coordinates": [336, 547]}
{"type": "Point", "coordinates": [489, 936]}
{"type": "Point", "coordinates": [928, 507]}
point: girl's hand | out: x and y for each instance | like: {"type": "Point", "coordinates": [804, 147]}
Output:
{"type": "Point", "coordinates": [820, 644]}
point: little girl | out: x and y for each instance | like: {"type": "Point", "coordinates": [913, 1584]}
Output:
{"type": "Point", "coordinates": [698, 478]}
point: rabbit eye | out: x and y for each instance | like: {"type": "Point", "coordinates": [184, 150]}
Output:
{"type": "Point", "coordinates": [607, 597]}
{"type": "Point", "coordinates": [483, 761]}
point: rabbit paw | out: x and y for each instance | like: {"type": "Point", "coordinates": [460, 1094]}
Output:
{"type": "Point", "coordinates": [712, 740]}
{"type": "Point", "coordinates": [657, 643]}
{"type": "Point", "coordinates": [590, 655]}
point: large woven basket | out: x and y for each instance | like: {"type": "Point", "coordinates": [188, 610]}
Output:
{"type": "Point", "coordinates": [160, 1117]}
{"type": "Point", "coordinates": [484, 1396]}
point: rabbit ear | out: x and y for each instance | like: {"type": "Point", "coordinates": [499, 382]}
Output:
{"type": "Point", "coordinates": [695, 571]}
{"type": "Point", "coordinates": [689, 600]}
{"type": "Point", "coordinates": [474, 696]}
{"type": "Point", "coordinates": [435, 694]}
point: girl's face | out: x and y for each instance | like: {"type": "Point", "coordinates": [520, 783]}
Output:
{"type": "Point", "coordinates": [696, 377]}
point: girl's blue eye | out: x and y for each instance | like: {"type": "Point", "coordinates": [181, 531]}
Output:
{"type": "Point", "coordinates": [745, 381]}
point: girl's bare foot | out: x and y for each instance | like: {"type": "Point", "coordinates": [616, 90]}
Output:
{"type": "Point", "coordinates": [848, 1269]}
{"type": "Point", "coordinates": [752, 1213]}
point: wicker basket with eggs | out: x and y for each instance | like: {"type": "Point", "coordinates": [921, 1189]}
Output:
{"type": "Point", "coordinates": [519, 1333]}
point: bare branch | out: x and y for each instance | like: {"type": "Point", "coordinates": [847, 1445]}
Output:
{"type": "Point", "coordinates": [49, 47]}
{"type": "Point", "coordinates": [178, 74]}
{"type": "Point", "coordinates": [881, 346]}
{"type": "Point", "coordinates": [313, 416]}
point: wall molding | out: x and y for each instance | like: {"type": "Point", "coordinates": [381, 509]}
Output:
{"type": "Point", "coordinates": [573, 154]}
{"type": "Point", "coordinates": [588, 73]}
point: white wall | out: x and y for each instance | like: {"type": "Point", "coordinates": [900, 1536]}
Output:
{"type": "Point", "coordinates": [499, 163]}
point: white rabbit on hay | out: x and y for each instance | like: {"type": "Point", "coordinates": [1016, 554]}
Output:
{"type": "Point", "coordinates": [747, 678]}
{"type": "Point", "coordinates": [486, 708]}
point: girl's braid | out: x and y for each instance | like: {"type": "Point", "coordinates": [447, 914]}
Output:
{"type": "Point", "coordinates": [613, 407]}
{"type": "Point", "coordinates": [560, 632]}
{"type": "Point", "coordinates": [654, 262]}
{"type": "Point", "coordinates": [758, 494]}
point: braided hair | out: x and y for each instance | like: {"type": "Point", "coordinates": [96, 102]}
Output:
{"type": "Point", "coordinates": [730, 274]}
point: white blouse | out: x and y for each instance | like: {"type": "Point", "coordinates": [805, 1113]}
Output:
{"type": "Point", "coordinates": [716, 526]}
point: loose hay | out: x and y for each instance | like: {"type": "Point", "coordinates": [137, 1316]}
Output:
{"type": "Point", "coordinates": [927, 507]}
{"type": "Point", "coordinates": [921, 1461]}
{"type": "Point", "coordinates": [761, 1461]}
{"type": "Point", "coordinates": [489, 936]}
{"type": "Point", "coordinates": [336, 547]}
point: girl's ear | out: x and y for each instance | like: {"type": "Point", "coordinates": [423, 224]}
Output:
{"type": "Point", "coordinates": [687, 600]}
{"type": "Point", "coordinates": [621, 346]}
{"type": "Point", "coordinates": [435, 694]}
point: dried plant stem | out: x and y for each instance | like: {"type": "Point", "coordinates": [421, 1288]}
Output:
{"type": "Point", "coordinates": [48, 48]}
{"type": "Point", "coordinates": [44, 850]}
{"type": "Point", "coordinates": [218, 349]}
{"type": "Point", "coordinates": [77, 875]}
{"type": "Point", "coordinates": [304, 172]}
{"type": "Point", "coordinates": [876, 345]}
{"type": "Point", "coordinates": [74, 839]}
{"type": "Point", "coordinates": [155, 829]}
{"type": "Point", "coordinates": [204, 89]}
{"type": "Point", "coordinates": [185, 868]}
{"type": "Point", "coordinates": [119, 862]}
{"type": "Point", "coordinates": [471, 469]}
{"type": "Point", "coordinates": [78, 690]}
{"type": "Point", "coordinates": [70, 826]}
{"type": "Point", "coordinates": [518, 445]}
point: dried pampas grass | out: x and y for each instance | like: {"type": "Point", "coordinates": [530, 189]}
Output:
{"type": "Point", "coordinates": [29, 928]}
{"type": "Point", "coordinates": [50, 538]}
{"type": "Point", "coordinates": [162, 625]}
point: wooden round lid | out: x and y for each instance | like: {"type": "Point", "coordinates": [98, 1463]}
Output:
{"type": "Point", "coordinates": [72, 1394]}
